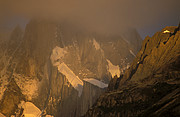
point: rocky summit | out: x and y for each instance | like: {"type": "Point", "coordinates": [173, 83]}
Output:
{"type": "Point", "coordinates": [54, 69]}
{"type": "Point", "coordinates": [151, 86]}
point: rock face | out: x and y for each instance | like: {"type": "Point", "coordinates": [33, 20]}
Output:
{"type": "Point", "coordinates": [46, 65]}
{"type": "Point", "coordinates": [151, 86]}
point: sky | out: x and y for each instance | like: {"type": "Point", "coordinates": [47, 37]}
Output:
{"type": "Point", "coordinates": [102, 16]}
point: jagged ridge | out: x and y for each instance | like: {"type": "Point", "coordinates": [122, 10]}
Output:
{"type": "Point", "coordinates": [151, 86]}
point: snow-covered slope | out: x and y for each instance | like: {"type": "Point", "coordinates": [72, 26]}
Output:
{"type": "Point", "coordinates": [95, 82]}
{"type": "Point", "coordinates": [96, 44]}
{"type": "Point", "coordinates": [71, 77]}
{"type": "Point", "coordinates": [114, 70]}
{"type": "Point", "coordinates": [30, 110]}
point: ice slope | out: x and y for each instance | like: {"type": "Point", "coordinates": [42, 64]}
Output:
{"type": "Point", "coordinates": [74, 80]}
{"type": "Point", "coordinates": [96, 82]}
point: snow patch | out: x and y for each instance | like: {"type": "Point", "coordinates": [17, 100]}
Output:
{"type": "Point", "coordinates": [132, 53]}
{"type": "Point", "coordinates": [114, 70]}
{"type": "Point", "coordinates": [30, 110]}
{"type": "Point", "coordinates": [49, 116]}
{"type": "Point", "coordinates": [57, 55]}
{"type": "Point", "coordinates": [124, 38]}
{"type": "Point", "coordinates": [74, 80]}
{"type": "Point", "coordinates": [96, 82]}
{"type": "Point", "coordinates": [166, 31]}
{"type": "Point", "coordinates": [96, 44]}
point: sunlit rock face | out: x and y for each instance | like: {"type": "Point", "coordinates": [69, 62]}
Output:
{"type": "Point", "coordinates": [60, 70]}
{"type": "Point", "coordinates": [1, 115]}
{"type": "Point", "coordinates": [151, 86]}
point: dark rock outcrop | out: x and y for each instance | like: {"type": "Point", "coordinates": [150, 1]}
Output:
{"type": "Point", "coordinates": [11, 99]}
{"type": "Point", "coordinates": [151, 86]}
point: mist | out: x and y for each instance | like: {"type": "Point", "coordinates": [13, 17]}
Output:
{"type": "Point", "coordinates": [103, 16]}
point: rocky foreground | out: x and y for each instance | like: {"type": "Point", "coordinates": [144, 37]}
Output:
{"type": "Point", "coordinates": [151, 86]}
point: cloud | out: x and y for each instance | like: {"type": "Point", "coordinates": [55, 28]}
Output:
{"type": "Point", "coordinates": [107, 16]}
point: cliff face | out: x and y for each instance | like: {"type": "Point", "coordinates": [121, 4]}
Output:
{"type": "Point", "coordinates": [151, 86]}
{"type": "Point", "coordinates": [60, 71]}
{"type": "Point", "coordinates": [156, 52]}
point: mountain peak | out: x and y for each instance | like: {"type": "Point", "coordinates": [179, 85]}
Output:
{"type": "Point", "coordinates": [151, 86]}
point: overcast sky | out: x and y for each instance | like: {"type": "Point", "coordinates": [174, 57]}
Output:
{"type": "Point", "coordinates": [103, 16]}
